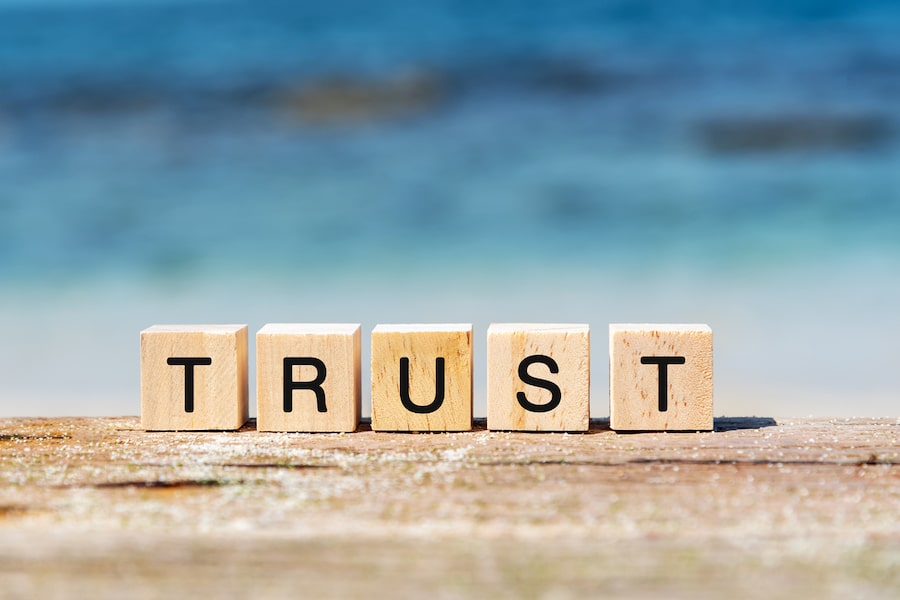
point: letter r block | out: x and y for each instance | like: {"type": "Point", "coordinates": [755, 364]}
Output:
{"type": "Point", "coordinates": [660, 378]}
{"type": "Point", "coordinates": [422, 378]}
{"type": "Point", "coordinates": [308, 377]}
{"type": "Point", "coordinates": [538, 377]}
{"type": "Point", "coordinates": [194, 377]}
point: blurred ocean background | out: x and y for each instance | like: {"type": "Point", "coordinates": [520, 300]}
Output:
{"type": "Point", "coordinates": [736, 164]}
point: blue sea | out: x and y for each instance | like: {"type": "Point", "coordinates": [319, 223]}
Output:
{"type": "Point", "coordinates": [736, 164]}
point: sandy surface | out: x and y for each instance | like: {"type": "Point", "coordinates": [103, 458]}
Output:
{"type": "Point", "coordinates": [798, 508]}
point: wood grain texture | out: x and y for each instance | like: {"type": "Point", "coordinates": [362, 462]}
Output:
{"type": "Point", "coordinates": [757, 509]}
{"type": "Point", "coordinates": [634, 387]}
{"type": "Point", "coordinates": [568, 346]}
{"type": "Point", "coordinates": [220, 398]}
{"type": "Point", "coordinates": [422, 346]}
{"type": "Point", "coordinates": [337, 346]}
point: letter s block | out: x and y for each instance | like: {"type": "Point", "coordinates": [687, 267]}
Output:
{"type": "Point", "coordinates": [538, 377]}
{"type": "Point", "coordinates": [422, 378]}
{"type": "Point", "coordinates": [308, 377]}
{"type": "Point", "coordinates": [194, 377]}
{"type": "Point", "coordinates": [660, 378]}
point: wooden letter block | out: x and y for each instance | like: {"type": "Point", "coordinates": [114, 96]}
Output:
{"type": "Point", "coordinates": [422, 378]}
{"type": "Point", "coordinates": [538, 377]}
{"type": "Point", "coordinates": [307, 377]}
{"type": "Point", "coordinates": [660, 378]}
{"type": "Point", "coordinates": [194, 377]}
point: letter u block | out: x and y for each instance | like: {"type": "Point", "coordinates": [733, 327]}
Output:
{"type": "Point", "coordinates": [660, 378]}
{"type": "Point", "coordinates": [308, 377]}
{"type": "Point", "coordinates": [538, 377]}
{"type": "Point", "coordinates": [194, 377]}
{"type": "Point", "coordinates": [422, 378]}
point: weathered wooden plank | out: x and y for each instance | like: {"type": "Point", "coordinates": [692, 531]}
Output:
{"type": "Point", "coordinates": [797, 508]}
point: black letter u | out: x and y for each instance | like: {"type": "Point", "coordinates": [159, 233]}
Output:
{"type": "Point", "coordinates": [438, 388]}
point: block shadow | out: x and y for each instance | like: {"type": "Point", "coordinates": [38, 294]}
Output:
{"type": "Point", "coordinates": [596, 425]}
{"type": "Point", "coordinates": [737, 423]}
{"type": "Point", "coordinates": [719, 424]}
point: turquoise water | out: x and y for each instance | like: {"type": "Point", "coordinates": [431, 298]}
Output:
{"type": "Point", "coordinates": [447, 161]}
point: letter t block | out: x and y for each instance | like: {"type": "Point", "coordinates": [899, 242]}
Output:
{"type": "Point", "coordinates": [422, 378]}
{"type": "Point", "coordinates": [660, 378]}
{"type": "Point", "coordinates": [194, 377]}
{"type": "Point", "coordinates": [307, 377]}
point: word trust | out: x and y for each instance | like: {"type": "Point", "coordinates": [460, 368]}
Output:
{"type": "Point", "coordinates": [194, 377]}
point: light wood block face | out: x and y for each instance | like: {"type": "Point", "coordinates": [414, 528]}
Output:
{"type": "Point", "coordinates": [538, 377]}
{"type": "Point", "coordinates": [422, 378]}
{"type": "Point", "coordinates": [194, 377]}
{"type": "Point", "coordinates": [308, 377]}
{"type": "Point", "coordinates": [660, 378]}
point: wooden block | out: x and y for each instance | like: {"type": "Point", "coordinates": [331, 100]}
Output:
{"type": "Point", "coordinates": [194, 377]}
{"type": "Point", "coordinates": [422, 378]}
{"type": "Point", "coordinates": [308, 377]}
{"type": "Point", "coordinates": [538, 377]}
{"type": "Point", "coordinates": [660, 378]}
